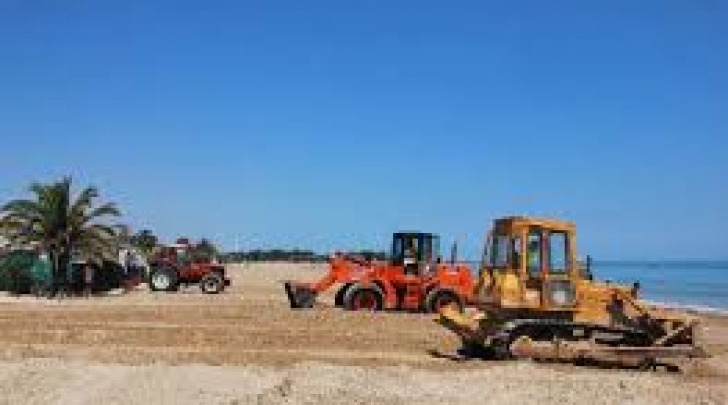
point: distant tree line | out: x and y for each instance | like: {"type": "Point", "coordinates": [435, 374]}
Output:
{"type": "Point", "coordinates": [369, 254]}
{"type": "Point", "coordinates": [275, 255]}
{"type": "Point", "coordinates": [294, 255]}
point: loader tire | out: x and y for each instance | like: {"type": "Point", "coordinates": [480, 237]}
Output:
{"type": "Point", "coordinates": [438, 298]}
{"type": "Point", "coordinates": [339, 299]}
{"type": "Point", "coordinates": [163, 279]}
{"type": "Point", "coordinates": [363, 298]}
{"type": "Point", "coordinates": [212, 283]}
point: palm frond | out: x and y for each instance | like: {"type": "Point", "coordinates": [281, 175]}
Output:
{"type": "Point", "coordinates": [84, 201]}
{"type": "Point", "coordinates": [108, 209]}
{"type": "Point", "coordinates": [60, 222]}
{"type": "Point", "coordinates": [20, 206]}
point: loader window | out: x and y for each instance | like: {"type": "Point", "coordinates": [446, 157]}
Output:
{"type": "Point", "coordinates": [397, 250]}
{"type": "Point", "coordinates": [429, 250]}
{"type": "Point", "coordinates": [558, 253]}
{"type": "Point", "coordinates": [434, 251]}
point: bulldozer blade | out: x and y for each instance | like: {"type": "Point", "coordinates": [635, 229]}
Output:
{"type": "Point", "coordinates": [299, 296]}
{"type": "Point", "coordinates": [462, 325]}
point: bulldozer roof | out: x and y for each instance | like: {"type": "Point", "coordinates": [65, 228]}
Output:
{"type": "Point", "coordinates": [549, 223]}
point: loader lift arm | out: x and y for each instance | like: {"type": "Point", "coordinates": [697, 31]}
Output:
{"type": "Point", "coordinates": [342, 269]}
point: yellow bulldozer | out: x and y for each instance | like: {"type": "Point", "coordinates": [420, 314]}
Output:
{"type": "Point", "coordinates": [536, 300]}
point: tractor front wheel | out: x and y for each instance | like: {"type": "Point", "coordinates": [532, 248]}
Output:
{"type": "Point", "coordinates": [359, 298]}
{"type": "Point", "coordinates": [212, 284]}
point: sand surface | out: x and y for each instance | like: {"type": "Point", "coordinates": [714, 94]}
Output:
{"type": "Point", "coordinates": [247, 346]}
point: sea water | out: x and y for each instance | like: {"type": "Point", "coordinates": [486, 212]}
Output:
{"type": "Point", "coordinates": [700, 285]}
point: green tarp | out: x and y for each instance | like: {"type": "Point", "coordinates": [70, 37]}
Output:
{"type": "Point", "coordinates": [22, 269]}
{"type": "Point", "coordinates": [23, 272]}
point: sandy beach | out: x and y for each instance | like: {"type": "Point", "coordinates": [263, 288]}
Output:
{"type": "Point", "coordinates": [247, 346]}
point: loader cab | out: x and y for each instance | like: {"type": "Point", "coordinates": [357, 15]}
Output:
{"type": "Point", "coordinates": [537, 257]}
{"type": "Point", "coordinates": [416, 252]}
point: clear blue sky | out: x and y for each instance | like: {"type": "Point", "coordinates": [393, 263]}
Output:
{"type": "Point", "coordinates": [329, 124]}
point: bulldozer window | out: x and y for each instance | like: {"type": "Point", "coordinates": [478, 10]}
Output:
{"type": "Point", "coordinates": [558, 253]}
{"type": "Point", "coordinates": [517, 254]}
{"type": "Point", "coordinates": [533, 253]}
{"type": "Point", "coordinates": [499, 251]}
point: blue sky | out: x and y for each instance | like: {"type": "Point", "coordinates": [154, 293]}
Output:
{"type": "Point", "coordinates": [329, 124]}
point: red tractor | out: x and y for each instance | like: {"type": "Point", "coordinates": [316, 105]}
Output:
{"type": "Point", "coordinates": [175, 265]}
{"type": "Point", "coordinates": [414, 279]}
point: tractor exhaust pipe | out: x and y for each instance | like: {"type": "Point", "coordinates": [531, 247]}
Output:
{"type": "Point", "coordinates": [300, 296]}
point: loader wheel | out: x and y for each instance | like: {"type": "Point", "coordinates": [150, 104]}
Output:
{"type": "Point", "coordinates": [339, 299]}
{"type": "Point", "coordinates": [438, 299]}
{"type": "Point", "coordinates": [163, 279]}
{"type": "Point", "coordinates": [212, 284]}
{"type": "Point", "coordinates": [363, 299]}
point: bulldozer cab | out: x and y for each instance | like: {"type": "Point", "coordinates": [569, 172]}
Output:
{"type": "Point", "coordinates": [416, 252]}
{"type": "Point", "coordinates": [531, 264]}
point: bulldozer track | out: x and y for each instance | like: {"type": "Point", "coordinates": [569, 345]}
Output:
{"type": "Point", "coordinates": [559, 328]}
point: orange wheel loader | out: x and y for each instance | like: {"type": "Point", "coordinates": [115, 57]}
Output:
{"type": "Point", "coordinates": [413, 279]}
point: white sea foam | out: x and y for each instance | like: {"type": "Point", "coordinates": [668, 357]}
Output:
{"type": "Point", "coordinates": [701, 309]}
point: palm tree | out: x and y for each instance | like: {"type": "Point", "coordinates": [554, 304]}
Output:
{"type": "Point", "coordinates": [61, 225]}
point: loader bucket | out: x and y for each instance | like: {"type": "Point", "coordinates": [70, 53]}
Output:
{"type": "Point", "coordinates": [300, 296]}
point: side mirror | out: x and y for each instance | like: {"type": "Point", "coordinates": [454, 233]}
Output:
{"type": "Point", "coordinates": [589, 275]}
{"type": "Point", "coordinates": [453, 253]}
{"type": "Point", "coordinates": [635, 289]}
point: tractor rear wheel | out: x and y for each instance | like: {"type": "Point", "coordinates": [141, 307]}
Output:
{"type": "Point", "coordinates": [163, 279]}
{"type": "Point", "coordinates": [212, 283]}
{"type": "Point", "coordinates": [439, 298]}
{"type": "Point", "coordinates": [359, 298]}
